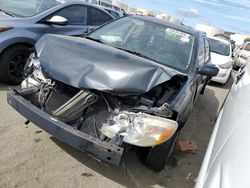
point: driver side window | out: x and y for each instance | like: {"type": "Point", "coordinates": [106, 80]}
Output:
{"type": "Point", "coordinates": [76, 15]}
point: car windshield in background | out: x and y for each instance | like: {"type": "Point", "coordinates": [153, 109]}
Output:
{"type": "Point", "coordinates": [247, 48]}
{"type": "Point", "coordinates": [219, 47]}
{"type": "Point", "coordinates": [26, 8]}
{"type": "Point", "coordinates": [150, 40]}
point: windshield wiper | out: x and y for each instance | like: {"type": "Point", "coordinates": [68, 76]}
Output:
{"type": "Point", "coordinates": [8, 13]}
{"type": "Point", "coordinates": [96, 40]}
{"type": "Point", "coordinates": [138, 54]}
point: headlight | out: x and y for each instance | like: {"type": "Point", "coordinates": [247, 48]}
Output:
{"type": "Point", "coordinates": [226, 65]}
{"type": "Point", "coordinates": [4, 28]}
{"type": "Point", "coordinates": [140, 129]}
{"type": "Point", "coordinates": [244, 57]}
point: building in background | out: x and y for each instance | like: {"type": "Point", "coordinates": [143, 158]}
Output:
{"type": "Point", "coordinates": [132, 10]}
{"type": "Point", "coordinates": [168, 18]}
{"type": "Point", "coordinates": [145, 12]}
{"type": "Point", "coordinates": [238, 38]}
{"type": "Point", "coordinates": [209, 30]}
{"type": "Point", "coordinates": [120, 6]}
{"type": "Point", "coordinates": [163, 16]}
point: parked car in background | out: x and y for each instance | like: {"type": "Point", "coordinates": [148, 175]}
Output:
{"type": "Point", "coordinates": [226, 163]}
{"type": "Point", "coordinates": [23, 23]}
{"type": "Point", "coordinates": [110, 6]}
{"type": "Point", "coordinates": [132, 82]}
{"type": "Point", "coordinates": [114, 13]}
{"type": "Point", "coordinates": [236, 51]}
{"type": "Point", "coordinates": [221, 56]}
{"type": "Point", "coordinates": [243, 55]}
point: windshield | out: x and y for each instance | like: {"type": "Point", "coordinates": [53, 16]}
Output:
{"type": "Point", "coordinates": [247, 48]}
{"type": "Point", "coordinates": [26, 8]}
{"type": "Point", "coordinates": [219, 47]}
{"type": "Point", "coordinates": [150, 40]}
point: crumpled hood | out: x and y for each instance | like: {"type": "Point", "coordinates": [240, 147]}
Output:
{"type": "Point", "coordinates": [83, 63]}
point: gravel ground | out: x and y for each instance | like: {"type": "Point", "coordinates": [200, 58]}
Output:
{"type": "Point", "coordinates": [29, 157]}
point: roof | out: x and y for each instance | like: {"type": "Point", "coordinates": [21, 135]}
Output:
{"type": "Point", "coordinates": [183, 28]}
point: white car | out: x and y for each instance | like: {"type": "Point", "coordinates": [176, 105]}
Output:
{"type": "Point", "coordinates": [244, 55]}
{"type": "Point", "coordinates": [226, 163]}
{"type": "Point", "coordinates": [221, 56]}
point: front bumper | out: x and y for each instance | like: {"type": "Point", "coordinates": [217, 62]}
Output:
{"type": "Point", "coordinates": [240, 62]}
{"type": "Point", "coordinates": [67, 134]}
{"type": "Point", "coordinates": [223, 75]}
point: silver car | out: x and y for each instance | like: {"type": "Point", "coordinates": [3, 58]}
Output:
{"type": "Point", "coordinates": [23, 23]}
{"type": "Point", "coordinates": [226, 163]}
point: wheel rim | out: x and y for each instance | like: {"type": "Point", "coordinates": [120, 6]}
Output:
{"type": "Point", "coordinates": [17, 64]}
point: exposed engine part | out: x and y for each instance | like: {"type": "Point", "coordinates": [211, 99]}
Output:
{"type": "Point", "coordinates": [34, 74]}
{"type": "Point", "coordinates": [145, 101]}
{"type": "Point", "coordinates": [44, 92]}
{"type": "Point", "coordinates": [162, 111]}
{"type": "Point", "coordinates": [71, 109]}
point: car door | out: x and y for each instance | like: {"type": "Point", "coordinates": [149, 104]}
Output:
{"type": "Point", "coordinates": [77, 16]}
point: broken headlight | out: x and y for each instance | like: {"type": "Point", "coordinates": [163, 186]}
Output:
{"type": "Point", "coordinates": [140, 129]}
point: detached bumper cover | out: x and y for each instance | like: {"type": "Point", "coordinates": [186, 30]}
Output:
{"type": "Point", "coordinates": [67, 134]}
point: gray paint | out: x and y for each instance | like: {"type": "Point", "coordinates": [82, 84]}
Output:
{"type": "Point", "coordinates": [83, 63]}
{"type": "Point", "coordinates": [29, 30]}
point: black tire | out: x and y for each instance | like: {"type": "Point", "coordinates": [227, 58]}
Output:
{"type": "Point", "coordinates": [156, 158]}
{"type": "Point", "coordinates": [235, 67]}
{"type": "Point", "coordinates": [12, 62]}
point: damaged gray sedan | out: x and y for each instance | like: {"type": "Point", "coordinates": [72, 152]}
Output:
{"type": "Point", "coordinates": [131, 82]}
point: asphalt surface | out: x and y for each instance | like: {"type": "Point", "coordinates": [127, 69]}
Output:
{"type": "Point", "coordinates": [29, 157]}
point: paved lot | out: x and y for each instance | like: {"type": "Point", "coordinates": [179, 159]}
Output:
{"type": "Point", "coordinates": [30, 157]}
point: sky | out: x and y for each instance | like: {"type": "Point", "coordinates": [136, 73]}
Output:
{"type": "Point", "coordinates": [230, 15]}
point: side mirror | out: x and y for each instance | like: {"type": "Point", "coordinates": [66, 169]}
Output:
{"type": "Point", "coordinates": [209, 70]}
{"type": "Point", "coordinates": [57, 20]}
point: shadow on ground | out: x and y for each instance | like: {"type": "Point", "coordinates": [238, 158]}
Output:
{"type": "Point", "coordinates": [5, 87]}
{"type": "Point", "coordinates": [115, 173]}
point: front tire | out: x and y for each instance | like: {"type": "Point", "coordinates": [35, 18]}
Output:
{"type": "Point", "coordinates": [12, 62]}
{"type": "Point", "coordinates": [156, 157]}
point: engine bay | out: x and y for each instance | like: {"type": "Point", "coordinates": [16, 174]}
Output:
{"type": "Point", "coordinates": [101, 114]}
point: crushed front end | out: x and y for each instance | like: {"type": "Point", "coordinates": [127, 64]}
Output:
{"type": "Point", "coordinates": [100, 122]}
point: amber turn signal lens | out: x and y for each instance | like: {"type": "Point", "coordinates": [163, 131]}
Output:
{"type": "Point", "coordinates": [164, 136]}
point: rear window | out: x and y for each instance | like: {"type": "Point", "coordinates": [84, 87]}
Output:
{"type": "Point", "coordinates": [99, 17]}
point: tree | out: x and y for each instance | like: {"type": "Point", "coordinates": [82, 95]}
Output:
{"type": "Point", "coordinates": [247, 39]}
